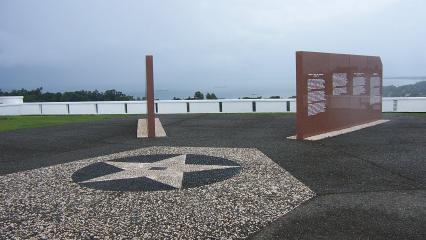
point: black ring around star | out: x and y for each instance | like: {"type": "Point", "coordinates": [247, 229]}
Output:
{"type": "Point", "coordinates": [156, 172]}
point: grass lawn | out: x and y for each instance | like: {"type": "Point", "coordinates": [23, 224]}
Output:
{"type": "Point", "coordinates": [9, 123]}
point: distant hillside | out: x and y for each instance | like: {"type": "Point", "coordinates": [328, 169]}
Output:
{"type": "Point", "coordinates": [411, 90]}
{"type": "Point", "coordinates": [37, 95]}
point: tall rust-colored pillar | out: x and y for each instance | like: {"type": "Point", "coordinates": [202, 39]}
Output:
{"type": "Point", "coordinates": [150, 96]}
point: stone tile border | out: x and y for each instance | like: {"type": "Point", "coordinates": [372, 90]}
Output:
{"type": "Point", "coordinates": [46, 203]}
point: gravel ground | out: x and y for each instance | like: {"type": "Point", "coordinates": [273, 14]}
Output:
{"type": "Point", "coordinates": [46, 203]}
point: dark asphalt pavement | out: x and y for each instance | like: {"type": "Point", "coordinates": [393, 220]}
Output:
{"type": "Point", "coordinates": [371, 184]}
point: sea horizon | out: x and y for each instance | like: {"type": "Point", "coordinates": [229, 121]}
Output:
{"type": "Point", "coordinates": [228, 94]}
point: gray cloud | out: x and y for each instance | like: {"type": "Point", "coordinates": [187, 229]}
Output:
{"type": "Point", "coordinates": [236, 44]}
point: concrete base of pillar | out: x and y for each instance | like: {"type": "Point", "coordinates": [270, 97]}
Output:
{"type": "Point", "coordinates": [142, 131]}
{"type": "Point", "coordinates": [342, 131]}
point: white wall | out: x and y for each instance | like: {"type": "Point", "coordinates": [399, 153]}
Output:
{"type": "Point", "coordinates": [54, 109]}
{"type": "Point", "coordinates": [30, 109]}
{"type": "Point", "coordinates": [204, 106]}
{"type": "Point", "coordinates": [10, 110]}
{"type": "Point", "coordinates": [292, 105]}
{"type": "Point", "coordinates": [271, 106]}
{"type": "Point", "coordinates": [237, 106]}
{"type": "Point", "coordinates": [136, 108]}
{"type": "Point", "coordinates": [111, 108]}
{"type": "Point", "coordinates": [411, 104]}
{"type": "Point", "coordinates": [82, 108]}
{"type": "Point", "coordinates": [180, 106]}
{"type": "Point", "coordinates": [387, 105]}
{"type": "Point", "coordinates": [171, 106]}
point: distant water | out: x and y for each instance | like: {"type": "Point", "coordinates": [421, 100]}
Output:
{"type": "Point", "coordinates": [400, 81]}
{"type": "Point", "coordinates": [169, 94]}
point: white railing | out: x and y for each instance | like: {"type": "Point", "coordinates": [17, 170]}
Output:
{"type": "Point", "coordinates": [400, 104]}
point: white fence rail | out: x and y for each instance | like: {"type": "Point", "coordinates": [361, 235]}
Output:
{"type": "Point", "coordinates": [400, 104]}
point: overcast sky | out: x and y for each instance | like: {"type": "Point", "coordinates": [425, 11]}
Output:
{"type": "Point", "coordinates": [211, 45]}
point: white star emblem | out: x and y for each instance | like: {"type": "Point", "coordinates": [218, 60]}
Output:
{"type": "Point", "coordinates": [168, 171]}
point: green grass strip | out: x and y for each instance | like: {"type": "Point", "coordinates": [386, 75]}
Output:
{"type": "Point", "coordinates": [9, 123]}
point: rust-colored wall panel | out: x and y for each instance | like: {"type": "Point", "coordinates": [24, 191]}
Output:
{"type": "Point", "coordinates": [336, 91]}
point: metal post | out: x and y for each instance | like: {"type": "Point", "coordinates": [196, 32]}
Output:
{"type": "Point", "coordinates": [150, 96]}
